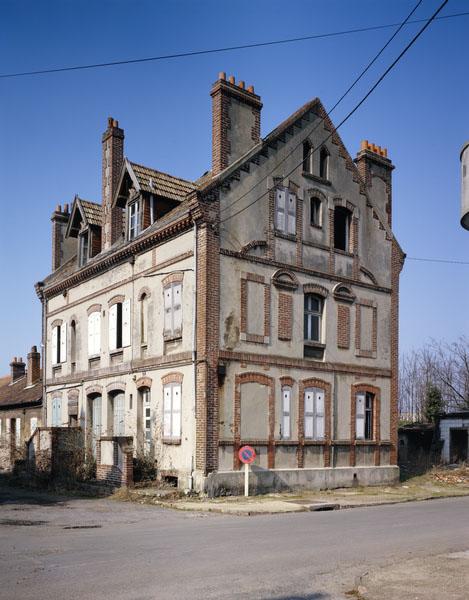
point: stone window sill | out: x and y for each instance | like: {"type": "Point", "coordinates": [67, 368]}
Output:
{"type": "Point", "coordinates": [116, 352]}
{"type": "Point", "coordinates": [313, 344]}
{"type": "Point", "coordinates": [172, 441]}
{"type": "Point", "coordinates": [316, 178]}
{"type": "Point", "coordinates": [343, 252]}
{"type": "Point", "coordinates": [285, 236]}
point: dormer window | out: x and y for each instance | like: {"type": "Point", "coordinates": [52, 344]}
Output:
{"type": "Point", "coordinates": [134, 219]}
{"type": "Point", "coordinates": [307, 157]}
{"type": "Point", "coordinates": [152, 209]}
{"type": "Point", "coordinates": [324, 163]}
{"type": "Point", "coordinates": [83, 249]}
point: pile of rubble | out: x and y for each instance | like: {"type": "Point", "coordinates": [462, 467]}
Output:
{"type": "Point", "coordinates": [452, 475]}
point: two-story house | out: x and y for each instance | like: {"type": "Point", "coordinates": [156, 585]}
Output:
{"type": "Point", "coordinates": [258, 304]}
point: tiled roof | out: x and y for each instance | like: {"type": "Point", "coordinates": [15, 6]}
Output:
{"type": "Point", "coordinates": [93, 212]}
{"type": "Point", "coordinates": [18, 394]}
{"type": "Point", "coordinates": [161, 184]}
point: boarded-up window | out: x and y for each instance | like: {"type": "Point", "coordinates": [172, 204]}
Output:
{"type": "Point", "coordinates": [173, 310]}
{"type": "Point", "coordinates": [255, 307]}
{"type": "Point", "coordinates": [343, 326]}
{"type": "Point", "coordinates": [285, 211]}
{"type": "Point", "coordinates": [254, 411]}
{"type": "Point", "coordinates": [366, 329]}
{"type": "Point", "coordinates": [285, 316]}
{"type": "Point", "coordinates": [56, 420]}
{"type": "Point", "coordinates": [118, 414]}
{"type": "Point", "coordinates": [94, 333]}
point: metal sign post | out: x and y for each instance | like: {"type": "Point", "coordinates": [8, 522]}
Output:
{"type": "Point", "coordinates": [247, 455]}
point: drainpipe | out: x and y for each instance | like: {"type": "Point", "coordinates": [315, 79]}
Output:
{"type": "Point", "coordinates": [194, 345]}
{"type": "Point", "coordinates": [40, 292]}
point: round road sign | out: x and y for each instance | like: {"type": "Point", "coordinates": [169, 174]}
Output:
{"type": "Point", "coordinates": [247, 455]}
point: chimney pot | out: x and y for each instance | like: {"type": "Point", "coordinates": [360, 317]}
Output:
{"type": "Point", "coordinates": [110, 120]}
{"type": "Point", "coordinates": [66, 209]}
{"type": "Point", "coordinates": [222, 75]}
{"type": "Point", "coordinates": [251, 89]}
{"type": "Point", "coordinates": [17, 368]}
{"type": "Point", "coordinates": [241, 85]}
{"type": "Point", "coordinates": [231, 79]}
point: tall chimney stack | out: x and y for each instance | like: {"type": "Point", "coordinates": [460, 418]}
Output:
{"type": "Point", "coordinates": [62, 248]}
{"type": "Point", "coordinates": [34, 367]}
{"type": "Point", "coordinates": [236, 121]}
{"type": "Point", "coordinates": [112, 160]}
{"type": "Point", "coordinates": [17, 368]}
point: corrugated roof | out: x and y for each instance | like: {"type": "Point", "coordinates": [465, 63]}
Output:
{"type": "Point", "coordinates": [93, 212]}
{"type": "Point", "coordinates": [162, 184]}
{"type": "Point", "coordinates": [18, 394]}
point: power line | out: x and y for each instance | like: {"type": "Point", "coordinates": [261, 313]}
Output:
{"type": "Point", "coordinates": [438, 260]}
{"type": "Point", "coordinates": [217, 50]}
{"type": "Point", "coordinates": [357, 106]}
{"type": "Point", "coordinates": [349, 89]}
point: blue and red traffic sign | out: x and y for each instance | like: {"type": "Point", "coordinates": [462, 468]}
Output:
{"type": "Point", "coordinates": [247, 455]}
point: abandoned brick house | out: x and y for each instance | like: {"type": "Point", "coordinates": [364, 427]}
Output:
{"type": "Point", "coordinates": [258, 304]}
{"type": "Point", "coordinates": [20, 407]}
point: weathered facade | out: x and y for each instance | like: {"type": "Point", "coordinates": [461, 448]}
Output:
{"type": "Point", "coordinates": [20, 408]}
{"type": "Point", "coordinates": [256, 305]}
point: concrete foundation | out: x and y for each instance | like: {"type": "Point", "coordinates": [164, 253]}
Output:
{"type": "Point", "coordinates": [262, 481]}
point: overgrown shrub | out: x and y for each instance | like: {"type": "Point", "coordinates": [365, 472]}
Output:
{"type": "Point", "coordinates": [144, 468]}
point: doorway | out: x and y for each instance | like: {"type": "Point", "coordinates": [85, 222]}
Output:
{"type": "Point", "coordinates": [458, 445]}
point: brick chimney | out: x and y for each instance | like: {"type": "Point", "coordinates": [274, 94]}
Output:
{"type": "Point", "coordinates": [236, 121]}
{"type": "Point", "coordinates": [34, 367]}
{"type": "Point", "coordinates": [373, 162]}
{"type": "Point", "coordinates": [17, 368]}
{"type": "Point", "coordinates": [62, 249]}
{"type": "Point", "coordinates": [112, 161]}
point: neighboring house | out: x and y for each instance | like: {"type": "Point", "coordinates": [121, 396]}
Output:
{"type": "Point", "coordinates": [454, 433]}
{"type": "Point", "coordinates": [258, 304]}
{"type": "Point", "coordinates": [20, 407]}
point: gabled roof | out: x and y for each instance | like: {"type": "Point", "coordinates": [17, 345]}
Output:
{"type": "Point", "coordinates": [90, 213]}
{"type": "Point", "coordinates": [155, 182]}
{"type": "Point", "coordinates": [18, 393]}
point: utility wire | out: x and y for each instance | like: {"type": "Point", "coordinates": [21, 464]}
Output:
{"type": "Point", "coordinates": [438, 260]}
{"type": "Point", "coordinates": [216, 50]}
{"type": "Point", "coordinates": [357, 106]}
{"type": "Point", "coordinates": [319, 122]}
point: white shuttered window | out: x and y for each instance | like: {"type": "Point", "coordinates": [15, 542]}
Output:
{"type": "Point", "coordinates": [360, 416]}
{"type": "Point", "coordinates": [173, 310]}
{"type": "Point", "coordinates": [314, 417]}
{"type": "Point", "coordinates": [119, 325]}
{"type": "Point", "coordinates": [56, 412]}
{"type": "Point", "coordinates": [59, 344]}
{"type": "Point", "coordinates": [285, 211]}
{"type": "Point", "coordinates": [172, 411]}
{"type": "Point", "coordinates": [94, 333]}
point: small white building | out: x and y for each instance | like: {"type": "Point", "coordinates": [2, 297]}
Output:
{"type": "Point", "coordinates": [454, 429]}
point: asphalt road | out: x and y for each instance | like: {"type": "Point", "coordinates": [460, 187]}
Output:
{"type": "Point", "coordinates": [96, 549]}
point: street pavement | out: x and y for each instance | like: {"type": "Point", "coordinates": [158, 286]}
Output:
{"type": "Point", "coordinates": [75, 548]}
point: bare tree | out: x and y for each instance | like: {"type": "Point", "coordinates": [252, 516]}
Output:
{"type": "Point", "coordinates": [439, 365]}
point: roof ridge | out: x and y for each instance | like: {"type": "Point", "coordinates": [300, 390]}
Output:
{"type": "Point", "coordinates": [161, 172]}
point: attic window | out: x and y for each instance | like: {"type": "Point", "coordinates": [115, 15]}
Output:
{"type": "Point", "coordinates": [152, 209]}
{"type": "Point", "coordinates": [324, 163]}
{"type": "Point", "coordinates": [83, 250]}
{"type": "Point", "coordinates": [134, 219]}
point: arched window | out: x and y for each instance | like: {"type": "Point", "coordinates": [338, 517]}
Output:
{"type": "Point", "coordinates": [307, 157]}
{"type": "Point", "coordinates": [365, 409]}
{"type": "Point", "coordinates": [143, 318]}
{"type": "Point", "coordinates": [285, 427]}
{"type": "Point", "coordinates": [324, 163]}
{"type": "Point", "coordinates": [73, 344]}
{"type": "Point", "coordinates": [313, 317]}
{"type": "Point", "coordinates": [342, 221]}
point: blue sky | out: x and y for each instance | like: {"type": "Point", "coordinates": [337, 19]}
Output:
{"type": "Point", "coordinates": [50, 126]}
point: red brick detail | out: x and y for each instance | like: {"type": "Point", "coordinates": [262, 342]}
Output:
{"type": "Point", "coordinates": [208, 324]}
{"type": "Point", "coordinates": [343, 326]}
{"type": "Point", "coordinates": [113, 158]}
{"type": "Point", "coordinates": [271, 226]}
{"type": "Point", "coordinates": [176, 277]}
{"type": "Point", "coordinates": [376, 391]}
{"type": "Point", "coordinates": [397, 262]}
{"type": "Point", "coordinates": [96, 240]}
{"type": "Point", "coordinates": [324, 385]}
{"type": "Point", "coordinates": [145, 291]}
{"type": "Point", "coordinates": [143, 382]}
{"type": "Point", "coordinates": [116, 300]}
{"type": "Point", "coordinates": [115, 386]}
{"type": "Point", "coordinates": [261, 379]}
{"type": "Point", "coordinates": [93, 308]}
{"type": "Point", "coordinates": [285, 316]}
{"type": "Point", "coordinates": [286, 380]}
{"type": "Point", "coordinates": [356, 259]}
{"type": "Point", "coordinates": [56, 323]}
{"type": "Point", "coordinates": [331, 242]}
{"type": "Point", "coordinates": [59, 227]}
{"type": "Point", "coordinates": [112, 474]}
{"type": "Point", "coordinates": [314, 288]}
{"type": "Point", "coordinates": [299, 231]}
{"type": "Point", "coordinates": [173, 377]}
{"type": "Point", "coordinates": [93, 389]}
